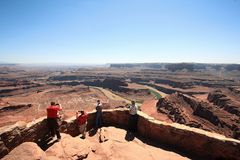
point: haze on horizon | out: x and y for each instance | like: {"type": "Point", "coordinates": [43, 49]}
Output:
{"type": "Point", "coordinates": [99, 32]}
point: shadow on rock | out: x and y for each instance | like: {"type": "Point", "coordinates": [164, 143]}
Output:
{"type": "Point", "coordinates": [46, 142]}
{"type": "Point", "coordinates": [92, 132]}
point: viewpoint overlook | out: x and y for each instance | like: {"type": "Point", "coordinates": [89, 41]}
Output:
{"type": "Point", "coordinates": [185, 114]}
{"type": "Point", "coordinates": [119, 80]}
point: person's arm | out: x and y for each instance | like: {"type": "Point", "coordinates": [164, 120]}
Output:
{"type": "Point", "coordinates": [60, 107]}
{"type": "Point", "coordinates": [77, 115]}
{"type": "Point", "coordinates": [86, 116]}
{"type": "Point", "coordinates": [128, 106]}
{"type": "Point", "coordinates": [139, 108]}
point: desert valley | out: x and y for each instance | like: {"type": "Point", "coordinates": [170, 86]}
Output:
{"type": "Point", "coordinates": [204, 96]}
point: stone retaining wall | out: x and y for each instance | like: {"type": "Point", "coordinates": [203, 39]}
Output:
{"type": "Point", "coordinates": [193, 141]}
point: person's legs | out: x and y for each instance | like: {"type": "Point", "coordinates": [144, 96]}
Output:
{"type": "Point", "coordinates": [100, 120]}
{"type": "Point", "coordinates": [82, 129]}
{"type": "Point", "coordinates": [85, 129]}
{"type": "Point", "coordinates": [130, 122]}
{"type": "Point", "coordinates": [58, 133]}
{"type": "Point", "coordinates": [56, 128]}
{"type": "Point", "coordinates": [97, 120]}
{"type": "Point", "coordinates": [135, 121]}
{"type": "Point", "coordinates": [51, 126]}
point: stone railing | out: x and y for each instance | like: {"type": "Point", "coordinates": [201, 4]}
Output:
{"type": "Point", "coordinates": [192, 141]}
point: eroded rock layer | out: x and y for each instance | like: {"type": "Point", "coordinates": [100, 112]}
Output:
{"type": "Point", "coordinates": [190, 111]}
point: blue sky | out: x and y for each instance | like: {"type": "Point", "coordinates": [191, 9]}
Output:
{"type": "Point", "coordinates": [119, 31]}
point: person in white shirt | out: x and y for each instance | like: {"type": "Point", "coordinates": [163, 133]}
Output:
{"type": "Point", "coordinates": [133, 118]}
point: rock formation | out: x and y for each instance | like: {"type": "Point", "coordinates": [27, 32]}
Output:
{"type": "Point", "coordinates": [69, 148]}
{"type": "Point", "coordinates": [223, 101]}
{"type": "Point", "coordinates": [26, 151]}
{"type": "Point", "coordinates": [190, 111]}
{"type": "Point", "coordinates": [117, 146]}
{"type": "Point", "coordinates": [192, 141]}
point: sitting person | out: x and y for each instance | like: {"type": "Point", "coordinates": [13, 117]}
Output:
{"type": "Point", "coordinates": [81, 117]}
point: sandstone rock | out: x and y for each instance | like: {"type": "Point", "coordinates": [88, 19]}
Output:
{"type": "Point", "coordinates": [26, 151]}
{"type": "Point", "coordinates": [190, 111]}
{"type": "Point", "coordinates": [69, 148]}
{"type": "Point", "coordinates": [193, 141]}
{"type": "Point", "coordinates": [14, 135]}
{"type": "Point", "coordinates": [3, 149]}
{"type": "Point", "coordinates": [103, 135]}
{"type": "Point", "coordinates": [223, 101]}
{"type": "Point", "coordinates": [117, 147]}
{"type": "Point", "coordinates": [202, 143]}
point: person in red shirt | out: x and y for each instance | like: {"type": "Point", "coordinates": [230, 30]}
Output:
{"type": "Point", "coordinates": [81, 118]}
{"type": "Point", "coordinates": [52, 119]}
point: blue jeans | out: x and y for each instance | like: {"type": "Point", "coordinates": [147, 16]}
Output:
{"type": "Point", "coordinates": [98, 119]}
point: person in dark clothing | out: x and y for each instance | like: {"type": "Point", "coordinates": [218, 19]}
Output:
{"type": "Point", "coordinates": [98, 114]}
{"type": "Point", "coordinates": [52, 119]}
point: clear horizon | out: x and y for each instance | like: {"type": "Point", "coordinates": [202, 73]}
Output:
{"type": "Point", "coordinates": [104, 64]}
{"type": "Point", "coordinates": [101, 32]}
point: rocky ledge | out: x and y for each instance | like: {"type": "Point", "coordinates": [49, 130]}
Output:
{"type": "Point", "coordinates": [108, 143]}
{"type": "Point", "coordinates": [192, 141]}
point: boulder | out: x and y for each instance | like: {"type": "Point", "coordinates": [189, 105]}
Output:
{"type": "Point", "coordinates": [14, 135]}
{"type": "Point", "coordinates": [26, 151]}
{"type": "Point", "coordinates": [69, 147]}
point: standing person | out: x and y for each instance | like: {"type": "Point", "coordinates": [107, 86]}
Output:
{"type": "Point", "coordinates": [82, 122]}
{"type": "Point", "coordinates": [52, 119]}
{"type": "Point", "coordinates": [98, 114]}
{"type": "Point", "coordinates": [133, 118]}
